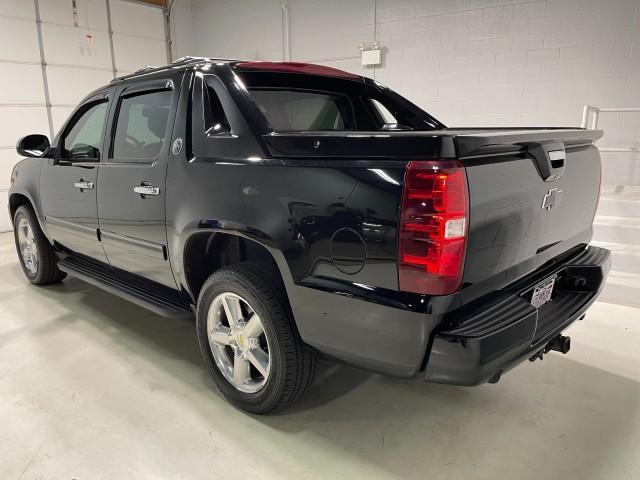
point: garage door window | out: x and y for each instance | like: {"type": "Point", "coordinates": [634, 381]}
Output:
{"type": "Point", "coordinates": [141, 128]}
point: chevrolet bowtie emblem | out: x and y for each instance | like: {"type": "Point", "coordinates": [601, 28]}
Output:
{"type": "Point", "coordinates": [551, 199]}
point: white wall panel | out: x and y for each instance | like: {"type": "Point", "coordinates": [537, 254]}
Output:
{"type": "Point", "coordinates": [21, 83]}
{"type": "Point", "coordinates": [60, 115]}
{"type": "Point", "coordinates": [133, 53]}
{"type": "Point", "coordinates": [181, 29]}
{"type": "Point", "coordinates": [351, 23]}
{"type": "Point", "coordinates": [20, 121]}
{"type": "Point", "coordinates": [68, 46]}
{"type": "Point", "coordinates": [8, 158]}
{"type": "Point", "coordinates": [320, 46]}
{"type": "Point", "coordinates": [68, 85]}
{"type": "Point", "coordinates": [18, 9]}
{"type": "Point", "coordinates": [231, 29]}
{"type": "Point", "coordinates": [134, 19]}
{"type": "Point", "coordinates": [5, 223]}
{"type": "Point", "coordinates": [19, 40]}
{"type": "Point", "coordinates": [91, 13]}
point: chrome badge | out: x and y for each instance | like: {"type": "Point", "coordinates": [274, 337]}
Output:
{"type": "Point", "coordinates": [176, 148]}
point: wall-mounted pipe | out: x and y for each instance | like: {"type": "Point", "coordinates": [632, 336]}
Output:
{"type": "Point", "coordinates": [43, 68]}
{"type": "Point", "coordinates": [168, 37]}
{"type": "Point", "coordinates": [286, 31]}
{"type": "Point", "coordinates": [375, 30]}
{"type": "Point", "coordinates": [112, 50]}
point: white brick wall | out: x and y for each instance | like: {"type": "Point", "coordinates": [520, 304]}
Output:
{"type": "Point", "coordinates": [469, 62]}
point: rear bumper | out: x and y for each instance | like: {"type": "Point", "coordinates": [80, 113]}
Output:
{"type": "Point", "coordinates": [493, 335]}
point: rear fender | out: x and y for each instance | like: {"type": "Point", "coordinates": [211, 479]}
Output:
{"type": "Point", "coordinates": [229, 228]}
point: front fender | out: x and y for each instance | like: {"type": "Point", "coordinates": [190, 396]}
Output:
{"type": "Point", "coordinates": [27, 184]}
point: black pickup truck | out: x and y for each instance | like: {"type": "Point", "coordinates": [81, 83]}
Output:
{"type": "Point", "coordinates": [300, 210]}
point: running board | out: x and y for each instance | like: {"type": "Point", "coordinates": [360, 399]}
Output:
{"type": "Point", "coordinates": [153, 296]}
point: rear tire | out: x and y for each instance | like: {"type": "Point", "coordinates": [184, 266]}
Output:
{"type": "Point", "coordinates": [38, 260]}
{"type": "Point", "coordinates": [275, 366]}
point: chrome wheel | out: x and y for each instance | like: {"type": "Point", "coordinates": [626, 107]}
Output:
{"type": "Point", "coordinates": [238, 342]}
{"type": "Point", "coordinates": [27, 246]}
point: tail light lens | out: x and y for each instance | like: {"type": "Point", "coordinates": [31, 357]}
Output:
{"type": "Point", "coordinates": [433, 227]}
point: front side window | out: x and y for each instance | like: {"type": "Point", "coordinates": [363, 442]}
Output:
{"type": "Point", "coordinates": [141, 126]}
{"type": "Point", "coordinates": [295, 110]}
{"type": "Point", "coordinates": [83, 140]}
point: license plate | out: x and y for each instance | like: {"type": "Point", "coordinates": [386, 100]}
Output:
{"type": "Point", "coordinates": [542, 292]}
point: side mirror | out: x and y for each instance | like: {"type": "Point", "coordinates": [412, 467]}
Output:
{"type": "Point", "coordinates": [395, 127]}
{"type": "Point", "coordinates": [35, 145]}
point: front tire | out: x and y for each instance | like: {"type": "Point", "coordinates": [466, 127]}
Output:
{"type": "Point", "coordinates": [37, 257]}
{"type": "Point", "coordinates": [249, 341]}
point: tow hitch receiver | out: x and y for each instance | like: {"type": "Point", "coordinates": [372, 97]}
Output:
{"type": "Point", "coordinates": [560, 344]}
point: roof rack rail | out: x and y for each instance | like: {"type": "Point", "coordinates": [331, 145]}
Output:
{"type": "Point", "coordinates": [145, 68]}
{"type": "Point", "coordinates": [187, 60]}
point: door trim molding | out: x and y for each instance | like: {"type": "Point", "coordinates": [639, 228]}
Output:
{"type": "Point", "coordinates": [136, 245]}
{"type": "Point", "coordinates": [71, 227]}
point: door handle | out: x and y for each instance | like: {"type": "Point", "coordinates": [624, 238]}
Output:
{"type": "Point", "coordinates": [84, 185]}
{"type": "Point", "coordinates": [147, 190]}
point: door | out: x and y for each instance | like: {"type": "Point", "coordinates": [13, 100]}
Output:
{"type": "Point", "coordinates": [131, 187]}
{"type": "Point", "coordinates": [68, 182]}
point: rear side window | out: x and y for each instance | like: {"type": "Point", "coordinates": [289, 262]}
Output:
{"type": "Point", "coordinates": [296, 110]}
{"type": "Point", "coordinates": [216, 122]}
{"type": "Point", "coordinates": [83, 140]}
{"type": "Point", "coordinates": [385, 115]}
{"type": "Point", "coordinates": [141, 126]}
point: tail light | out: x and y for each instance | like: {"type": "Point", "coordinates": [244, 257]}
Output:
{"type": "Point", "coordinates": [433, 227]}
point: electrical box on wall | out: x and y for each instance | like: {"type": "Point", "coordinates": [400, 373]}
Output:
{"type": "Point", "coordinates": [371, 57]}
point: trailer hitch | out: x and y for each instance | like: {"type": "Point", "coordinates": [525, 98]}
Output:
{"type": "Point", "coordinates": [560, 344]}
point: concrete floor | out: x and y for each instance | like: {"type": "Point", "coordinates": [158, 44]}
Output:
{"type": "Point", "coordinates": [93, 387]}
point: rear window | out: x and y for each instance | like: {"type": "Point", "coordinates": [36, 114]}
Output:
{"type": "Point", "coordinates": [292, 102]}
{"type": "Point", "coordinates": [293, 110]}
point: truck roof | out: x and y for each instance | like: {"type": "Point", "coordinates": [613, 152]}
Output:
{"type": "Point", "coordinates": [265, 66]}
{"type": "Point", "coordinates": [297, 67]}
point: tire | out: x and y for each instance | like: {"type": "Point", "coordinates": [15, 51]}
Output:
{"type": "Point", "coordinates": [291, 364]}
{"type": "Point", "coordinates": [42, 268]}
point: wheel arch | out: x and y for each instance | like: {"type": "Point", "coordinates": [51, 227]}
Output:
{"type": "Point", "coordinates": [207, 250]}
{"type": "Point", "coordinates": [16, 200]}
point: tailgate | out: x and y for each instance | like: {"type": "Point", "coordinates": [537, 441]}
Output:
{"type": "Point", "coordinates": [532, 197]}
